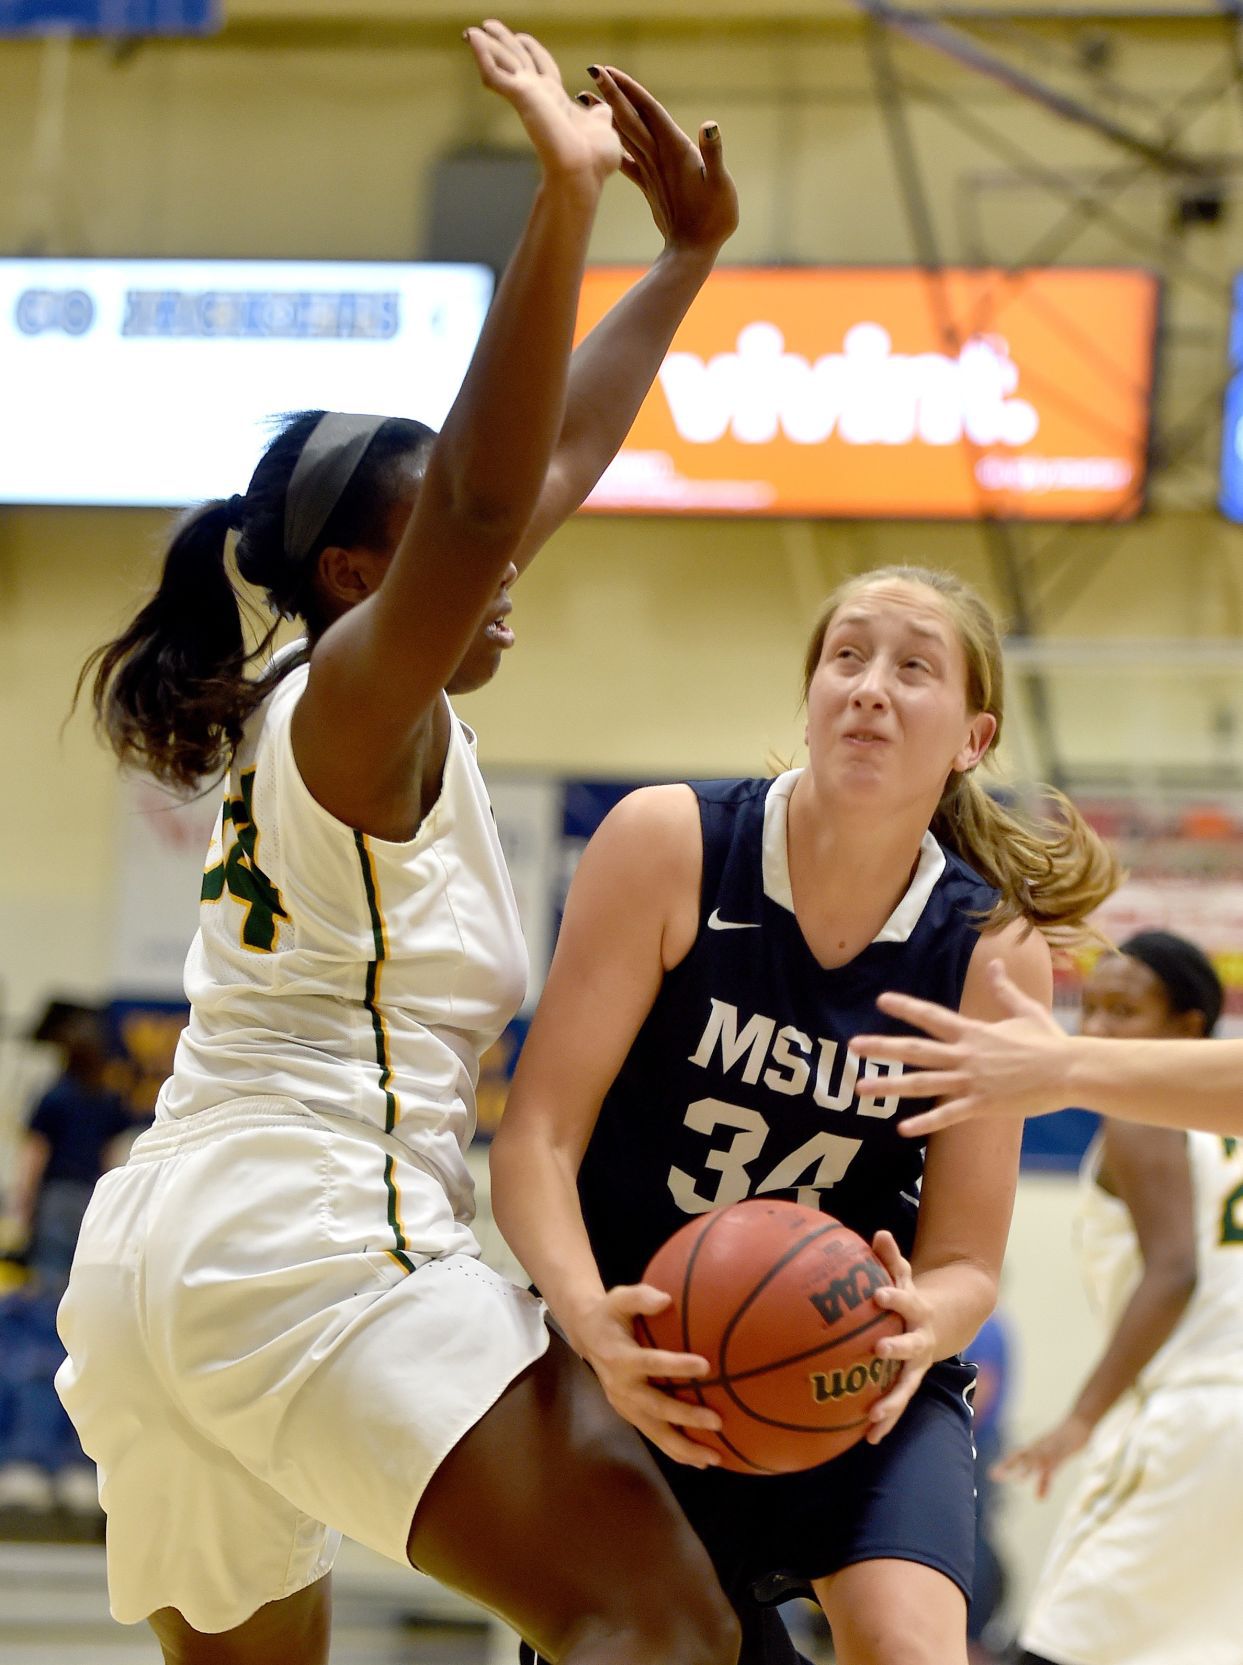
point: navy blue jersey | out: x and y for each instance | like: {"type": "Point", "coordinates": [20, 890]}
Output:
{"type": "Point", "coordinates": [739, 1083]}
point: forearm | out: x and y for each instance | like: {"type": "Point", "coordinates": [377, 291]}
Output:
{"type": "Point", "coordinates": [960, 1294]}
{"type": "Point", "coordinates": [493, 452]}
{"type": "Point", "coordinates": [1166, 1083]}
{"type": "Point", "coordinates": [535, 1204]}
{"type": "Point", "coordinates": [610, 374]}
{"type": "Point", "coordinates": [613, 368]}
{"type": "Point", "coordinates": [1145, 1325]}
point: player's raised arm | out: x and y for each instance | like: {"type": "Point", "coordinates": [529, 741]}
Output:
{"type": "Point", "coordinates": [378, 669]}
{"type": "Point", "coordinates": [1026, 1065]}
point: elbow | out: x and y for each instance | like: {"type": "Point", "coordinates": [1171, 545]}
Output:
{"type": "Point", "coordinates": [467, 500]}
{"type": "Point", "coordinates": [486, 521]}
{"type": "Point", "coordinates": [1178, 1279]}
{"type": "Point", "coordinates": [484, 511]}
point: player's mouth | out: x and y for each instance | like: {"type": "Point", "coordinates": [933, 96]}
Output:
{"type": "Point", "coordinates": [496, 630]}
{"type": "Point", "coordinates": [864, 738]}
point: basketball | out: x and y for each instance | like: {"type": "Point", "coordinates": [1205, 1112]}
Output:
{"type": "Point", "coordinates": [778, 1299]}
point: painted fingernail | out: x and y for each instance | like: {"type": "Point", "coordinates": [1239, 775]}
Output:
{"type": "Point", "coordinates": [583, 98]}
{"type": "Point", "coordinates": [712, 132]}
{"type": "Point", "coordinates": [594, 71]}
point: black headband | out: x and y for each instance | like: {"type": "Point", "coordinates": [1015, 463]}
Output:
{"type": "Point", "coordinates": [1184, 971]}
{"type": "Point", "coordinates": [329, 458]}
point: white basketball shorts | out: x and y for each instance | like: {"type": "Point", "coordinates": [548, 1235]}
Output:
{"type": "Point", "coordinates": [1144, 1566]}
{"type": "Point", "coordinates": [256, 1371]}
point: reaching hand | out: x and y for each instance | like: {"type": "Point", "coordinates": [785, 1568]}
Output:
{"type": "Point", "coordinates": [1044, 1456]}
{"type": "Point", "coordinates": [1015, 1067]}
{"type": "Point", "coordinates": [914, 1351]}
{"type": "Point", "coordinates": [605, 1338]}
{"type": "Point", "coordinates": [687, 185]}
{"type": "Point", "coordinates": [569, 140]}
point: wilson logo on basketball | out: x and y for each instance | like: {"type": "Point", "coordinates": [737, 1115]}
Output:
{"type": "Point", "coordinates": [847, 1384]}
{"type": "Point", "coordinates": [846, 1293]}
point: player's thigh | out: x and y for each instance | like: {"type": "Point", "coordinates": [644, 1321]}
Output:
{"type": "Point", "coordinates": [551, 1510]}
{"type": "Point", "coordinates": [892, 1612]}
{"type": "Point", "coordinates": [294, 1630]}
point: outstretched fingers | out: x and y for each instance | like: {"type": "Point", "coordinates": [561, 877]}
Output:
{"type": "Point", "coordinates": [541, 58]}
{"type": "Point", "coordinates": [662, 128]}
{"type": "Point", "coordinates": [937, 1061]}
{"type": "Point", "coordinates": [940, 1021]}
{"type": "Point", "coordinates": [647, 109]}
{"type": "Point", "coordinates": [498, 52]}
{"type": "Point", "coordinates": [934, 1121]}
{"type": "Point", "coordinates": [634, 131]}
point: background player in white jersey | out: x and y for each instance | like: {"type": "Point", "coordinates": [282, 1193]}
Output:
{"type": "Point", "coordinates": [1143, 1567]}
{"type": "Point", "coordinates": [705, 923]}
{"type": "Point", "coordinates": [278, 1326]}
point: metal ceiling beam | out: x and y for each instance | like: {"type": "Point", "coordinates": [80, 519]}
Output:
{"type": "Point", "coordinates": [964, 50]}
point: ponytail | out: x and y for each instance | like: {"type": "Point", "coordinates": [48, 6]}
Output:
{"type": "Point", "coordinates": [170, 692]}
{"type": "Point", "coordinates": [1052, 873]}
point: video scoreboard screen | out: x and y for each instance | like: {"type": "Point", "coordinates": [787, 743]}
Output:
{"type": "Point", "coordinates": [890, 392]}
{"type": "Point", "coordinates": [157, 382]}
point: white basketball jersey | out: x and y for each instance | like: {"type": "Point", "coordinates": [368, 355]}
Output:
{"type": "Point", "coordinates": [1207, 1343]}
{"type": "Point", "coordinates": [360, 977]}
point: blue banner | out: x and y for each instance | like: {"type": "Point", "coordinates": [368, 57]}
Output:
{"type": "Point", "coordinates": [126, 18]}
{"type": "Point", "coordinates": [1056, 1144]}
{"type": "Point", "coordinates": [1231, 494]}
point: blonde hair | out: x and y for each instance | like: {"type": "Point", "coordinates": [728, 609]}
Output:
{"type": "Point", "coordinates": [1052, 873]}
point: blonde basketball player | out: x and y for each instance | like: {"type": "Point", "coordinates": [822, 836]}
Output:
{"type": "Point", "coordinates": [721, 944]}
{"type": "Point", "coordinates": [278, 1325]}
{"type": "Point", "coordinates": [1142, 1569]}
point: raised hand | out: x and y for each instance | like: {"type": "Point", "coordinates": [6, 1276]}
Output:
{"type": "Point", "coordinates": [569, 138]}
{"type": "Point", "coordinates": [1015, 1067]}
{"type": "Point", "coordinates": [687, 185]}
{"type": "Point", "coordinates": [913, 1351]}
{"type": "Point", "coordinates": [605, 1338]}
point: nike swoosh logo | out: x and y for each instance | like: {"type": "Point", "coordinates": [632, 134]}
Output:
{"type": "Point", "coordinates": [716, 923]}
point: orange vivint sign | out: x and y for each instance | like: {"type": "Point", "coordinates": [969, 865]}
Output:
{"type": "Point", "coordinates": [890, 392]}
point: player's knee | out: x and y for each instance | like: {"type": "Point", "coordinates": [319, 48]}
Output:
{"type": "Point", "coordinates": [701, 1630]}
{"type": "Point", "coordinates": [906, 1646]}
{"type": "Point", "coordinates": [716, 1636]}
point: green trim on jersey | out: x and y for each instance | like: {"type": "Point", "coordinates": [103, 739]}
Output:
{"type": "Point", "coordinates": [370, 1001]}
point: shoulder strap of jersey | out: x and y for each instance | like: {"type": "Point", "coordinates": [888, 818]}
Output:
{"type": "Point", "coordinates": [720, 803]}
